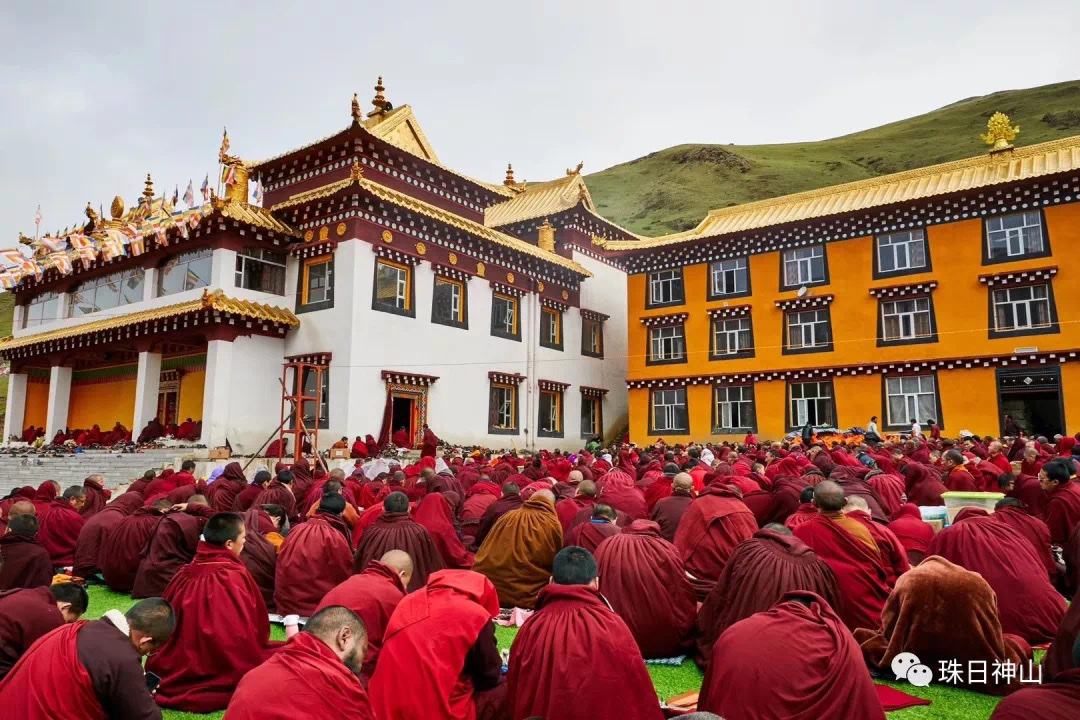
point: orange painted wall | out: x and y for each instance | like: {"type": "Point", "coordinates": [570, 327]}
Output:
{"type": "Point", "coordinates": [191, 395]}
{"type": "Point", "coordinates": [102, 404]}
{"type": "Point", "coordinates": [961, 307]}
{"type": "Point", "coordinates": [37, 404]}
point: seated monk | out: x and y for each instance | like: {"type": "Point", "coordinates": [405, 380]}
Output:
{"type": "Point", "coordinates": [584, 497]}
{"type": "Point", "coordinates": [517, 554]}
{"type": "Point", "coordinates": [91, 669]}
{"type": "Point", "coordinates": [800, 646]}
{"type": "Point", "coordinates": [279, 448]}
{"type": "Point", "coordinates": [638, 563]}
{"type": "Point", "coordinates": [957, 478]}
{"type": "Point", "coordinates": [668, 512]}
{"type": "Point", "coordinates": [94, 436]}
{"type": "Point", "coordinates": [359, 452]}
{"type": "Point", "coordinates": [1028, 604]}
{"type": "Point", "coordinates": [848, 547]}
{"type": "Point", "coordinates": [400, 438]}
{"type": "Point", "coordinates": [942, 612]}
{"type": "Point", "coordinates": [29, 613]}
{"type": "Point", "coordinates": [140, 485]}
{"type": "Point", "coordinates": [260, 554]}
{"type": "Point", "coordinates": [315, 675]}
{"type": "Point", "coordinates": [96, 496]}
{"type": "Point", "coordinates": [342, 444]}
{"type": "Point", "coordinates": [316, 557]}
{"type": "Point", "coordinates": [185, 430]}
{"type": "Point", "coordinates": [913, 532]}
{"type": "Point", "coordinates": [59, 526]}
{"type": "Point", "coordinates": [246, 497]}
{"type": "Point", "coordinates": [279, 491]}
{"type": "Point", "coordinates": [1062, 514]}
{"type": "Point", "coordinates": [97, 528]}
{"type": "Point", "coordinates": [572, 618]}
{"type": "Point", "coordinates": [1055, 699]}
{"type": "Point", "coordinates": [893, 556]}
{"type": "Point", "coordinates": [334, 486]}
{"type": "Point", "coordinates": [923, 486]}
{"type": "Point", "coordinates": [177, 486]}
{"type": "Point", "coordinates": [478, 499]}
{"type": "Point", "coordinates": [373, 595]}
{"type": "Point", "coordinates": [29, 434]}
{"type": "Point", "coordinates": [806, 510]}
{"type": "Point", "coordinates": [435, 514]}
{"type": "Point", "coordinates": [223, 491]}
{"type": "Point", "coordinates": [600, 527]}
{"type": "Point", "coordinates": [441, 637]}
{"type": "Point", "coordinates": [713, 525]}
{"type": "Point", "coordinates": [510, 500]}
{"type": "Point", "coordinates": [1026, 489]}
{"type": "Point", "coordinates": [173, 544]}
{"type": "Point", "coordinates": [153, 430]}
{"type": "Point", "coordinates": [619, 491]}
{"type": "Point", "coordinates": [45, 494]}
{"type": "Point", "coordinates": [222, 625]}
{"type": "Point", "coordinates": [758, 574]}
{"type": "Point", "coordinates": [396, 530]}
{"type": "Point", "coordinates": [121, 551]}
{"type": "Point", "coordinates": [1010, 511]}
{"type": "Point", "coordinates": [26, 563]}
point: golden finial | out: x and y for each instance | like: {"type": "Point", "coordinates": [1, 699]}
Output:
{"type": "Point", "coordinates": [509, 181]}
{"type": "Point", "coordinates": [999, 132]}
{"type": "Point", "coordinates": [577, 170]}
{"type": "Point", "coordinates": [117, 208]}
{"type": "Point", "coordinates": [356, 172]}
{"type": "Point", "coordinates": [357, 115]}
{"type": "Point", "coordinates": [148, 191]}
{"type": "Point", "coordinates": [379, 101]}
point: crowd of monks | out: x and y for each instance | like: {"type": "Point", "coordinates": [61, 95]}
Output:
{"type": "Point", "coordinates": [793, 573]}
{"type": "Point", "coordinates": [94, 436]}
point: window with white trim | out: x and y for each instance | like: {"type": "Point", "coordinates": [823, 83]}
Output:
{"type": "Point", "coordinates": [804, 266]}
{"type": "Point", "coordinates": [592, 337]}
{"type": "Point", "coordinates": [503, 407]}
{"type": "Point", "coordinates": [550, 420]}
{"type": "Point", "coordinates": [185, 271]}
{"type": "Point", "coordinates": [1014, 236]}
{"type": "Point", "coordinates": [901, 251]}
{"type": "Point", "coordinates": [731, 336]}
{"type": "Point", "coordinates": [1022, 308]}
{"type": "Point", "coordinates": [808, 329]}
{"type": "Point", "coordinates": [734, 407]}
{"type": "Point", "coordinates": [261, 269]}
{"type": "Point", "coordinates": [392, 286]}
{"type": "Point", "coordinates": [812, 402]}
{"type": "Point", "coordinates": [667, 343]}
{"type": "Point", "coordinates": [911, 397]}
{"type": "Point", "coordinates": [669, 411]}
{"type": "Point", "coordinates": [42, 309]}
{"type": "Point", "coordinates": [729, 277]}
{"type": "Point", "coordinates": [906, 319]}
{"type": "Point", "coordinates": [665, 287]}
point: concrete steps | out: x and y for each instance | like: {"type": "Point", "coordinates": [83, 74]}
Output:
{"type": "Point", "coordinates": [73, 469]}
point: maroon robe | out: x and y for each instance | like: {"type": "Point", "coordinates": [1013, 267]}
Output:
{"type": "Point", "coordinates": [913, 532]}
{"type": "Point", "coordinates": [638, 563]}
{"type": "Point", "coordinates": [435, 515]}
{"type": "Point", "coordinates": [590, 534]}
{"type": "Point", "coordinates": [758, 574]}
{"type": "Point", "coordinates": [222, 631]}
{"type": "Point", "coordinates": [1062, 514]}
{"type": "Point", "coordinates": [794, 661]}
{"type": "Point", "coordinates": [924, 487]}
{"type": "Point", "coordinates": [26, 563]}
{"type": "Point", "coordinates": [96, 498]}
{"type": "Point", "coordinates": [398, 531]}
{"type": "Point", "coordinates": [171, 546]}
{"type": "Point", "coordinates": [315, 557]}
{"type": "Point", "coordinates": [97, 528]}
{"type": "Point", "coordinates": [58, 531]}
{"type": "Point", "coordinates": [668, 514]}
{"type": "Point", "coordinates": [1027, 490]}
{"type": "Point", "coordinates": [246, 497]}
{"type": "Point", "coordinates": [430, 444]}
{"type": "Point", "coordinates": [568, 509]}
{"type": "Point", "coordinates": [277, 493]}
{"type": "Point", "coordinates": [120, 551]}
{"type": "Point", "coordinates": [573, 621]}
{"type": "Point", "coordinates": [494, 511]}
{"type": "Point", "coordinates": [1055, 699]}
{"type": "Point", "coordinates": [222, 492]}
{"type": "Point", "coordinates": [713, 525]}
{"type": "Point", "coordinates": [372, 595]}
{"type": "Point", "coordinates": [43, 496]}
{"type": "Point", "coordinates": [620, 492]}
{"type": "Point", "coordinates": [260, 555]}
{"type": "Point", "coordinates": [25, 615]}
{"type": "Point", "coordinates": [1036, 533]}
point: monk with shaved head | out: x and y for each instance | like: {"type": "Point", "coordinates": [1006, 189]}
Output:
{"type": "Point", "coordinates": [26, 563]}
{"type": "Point", "coordinates": [517, 554]}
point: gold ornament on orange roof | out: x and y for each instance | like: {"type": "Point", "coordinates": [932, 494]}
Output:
{"type": "Point", "coordinates": [565, 295]}
{"type": "Point", "coordinates": [999, 132]}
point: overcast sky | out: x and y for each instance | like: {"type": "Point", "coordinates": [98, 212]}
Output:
{"type": "Point", "coordinates": [96, 94]}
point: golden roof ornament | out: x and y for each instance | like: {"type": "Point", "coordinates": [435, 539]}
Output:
{"type": "Point", "coordinates": [356, 172]}
{"type": "Point", "coordinates": [117, 208]}
{"type": "Point", "coordinates": [577, 170]}
{"type": "Point", "coordinates": [223, 154]}
{"type": "Point", "coordinates": [148, 191]}
{"type": "Point", "coordinates": [999, 132]}
{"type": "Point", "coordinates": [357, 114]}
{"type": "Point", "coordinates": [379, 101]}
{"type": "Point", "coordinates": [509, 180]}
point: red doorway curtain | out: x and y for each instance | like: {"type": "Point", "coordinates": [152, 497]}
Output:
{"type": "Point", "coordinates": [387, 420]}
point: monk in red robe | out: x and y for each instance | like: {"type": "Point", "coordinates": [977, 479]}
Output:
{"type": "Point", "coordinates": [620, 492]}
{"type": "Point", "coordinates": [1010, 511]}
{"type": "Point", "coordinates": [913, 532]}
{"type": "Point", "coordinates": [940, 600]}
{"type": "Point", "coordinates": [1058, 699]}
{"type": "Point", "coordinates": [668, 512]}
{"type": "Point", "coordinates": [1028, 604]}
{"type": "Point", "coordinates": [924, 487]}
{"type": "Point", "coordinates": [479, 498]}
{"type": "Point", "coordinates": [893, 556]}
{"type": "Point", "coordinates": [804, 512]}
{"type": "Point", "coordinates": [359, 449]}
{"type": "Point", "coordinates": [430, 443]}
{"type": "Point", "coordinates": [510, 500]}
{"type": "Point", "coordinates": [172, 545]}
{"type": "Point", "coordinates": [373, 595]}
{"type": "Point", "coordinates": [428, 639]}
{"type": "Point", "coordinates": [184, 432]}
{"type": "Point", "coordinates": [567, 510]}
{"type": "Point", "coordinates": [96, 495]}
{"type": "Point", "coordinates": [97, 528]}
{"type": "Point", "coordinates": [279, 448]}
{"type": "Point", "coordinates": [91, 670]}
{"type": "Point", "coordinates": [279, 492]}
{"type": "Point", "coordinates": [758, 574]}
{"type": "Point", "coordinates": [59, 526]}
{"type": "Point", "coordinates": [29, 434]}
{"type": "Point", "coordinates": [246, 497]}
{"type": "Point", "coordinates": [435, 515]}
{"type": "Point", "coordinates": [395, 530]}
{"type": "Point", "coordinates": [94, 436]}
{"type": "Point", "coordinates": [600, 527]}
{"type": "Point", "coordinates": [26, 563]}
{"type": "Point", "coordinates": [1062, 513]}
{"type": "Point", "coordinates": [45, 494]}
{"type": "Point", "coordinates": [848, 547]}
{"type": "Point", "coordinates": [260, 555]}
{"type": "Point", "coordinates": [314, 675]}
{"type": "Point", "coordinates": [517, 554]}
{"type": "Point", "coordinates": [803, 662]}
{"type": "Point", "coordinates": [29, 613]}
{"type": "Point", "coordinates": [401, 438]}
{"type": "Point", "coordinates": [223, 491]}
{"type": "Point", "coordinates": [639, 563]}
{"type": "Point", "coordinates": [153, 430]}
{"type": "Point", "coordinates": [572, 620]}
{"type": "Point", "coordinates": [121, 551]}
{"type": "Point", "coordinates": [713, 525]}
{"type": "Point", "coordinates": [316, 557]}
{"type": "Point", "coordinates": [140, 485]}
{"type": "Point", "coordinates": [222, 625]}
{"type": "Point", "coordinates": [957, 478]}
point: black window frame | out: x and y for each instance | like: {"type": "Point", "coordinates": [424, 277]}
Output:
{"type": "Point", "coordinates": [824, 260]}
{"type": "Point", "coordinates": [302, 284]}
{"type": "Point", "coordinates": [713, 355]}
{"type": "Point", "coordinates": [560, 398]}
{"type": "Point", "coordinates": [516, 396]}
{"type": "Point", "coordinates": [597, 402]}
{"type": "Point", "coordinates": [1045, 252]}
{"type": "Point", "coordinates": [252, 256]}
{"type": "Point", "coordinates": [789, 416]}
{"type": "Point", "coordinates": [905, 425]}
{"type": "Point", "coordinates": [710, 295]}
{"type": "Point", "coordinates": [931, 338]}
{"type": "Point", "coordinates": [879, 274]}
{"type": "Point", "coordinates": [410, 279]}
{"type": "Point", "coordinates": [1052, 329]}
{"type": "Point", "coordinates": [681, 300]}
{"type": "Point", "coordinates": [545, 314]}
{"type": "Point", "coordinates": [653, 429]}
{"type": "Point", "coordinates": [717, 429]}
{"type": "Point", "coordinates": [498, 332]}
{"type": "Point", "coordinates": [463, 324]}
{"type": "Point", "coordinates": [648, 345]}
{"type": "Point", "coordinates": [786, 348]}
{"type": "Point", "coordinates": [584, 345]}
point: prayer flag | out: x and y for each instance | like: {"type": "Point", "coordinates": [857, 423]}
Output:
{"type": "Point", "coordinates": [193, 220]}
{"type": "Point", "coordinates": [189, 195]}
{"type": "Point", "coordinates": [162, 234]}
{"type": "Point", "coordinates": [37, 217]}
{"type": "Point", "coordinates": [206, 188]}
{"type": "Point", "coordinates": [113, 245]}
{"type": "Point", "coordinates": [228, 176]}
{"type": "Point", "coordinates": [61, 262]}
{"type": "Point", "coordinates": [53, 243]}
{"type": "Point", "coordinates": [7, 280]}
{"type": "Point", "coordinates": [136, 246]}
{"type": "Point", "coordinates": [176, 195]}
{"type": "Point", "coordinates": [14, 257]}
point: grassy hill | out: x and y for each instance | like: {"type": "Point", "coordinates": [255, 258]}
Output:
{"type": "Point", "coordinates": [672, 190]}
{"type": "Point", "coordinates": [7, 309]}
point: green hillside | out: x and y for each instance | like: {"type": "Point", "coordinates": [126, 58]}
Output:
{"type": "Point", "coordinates": [672, 190]}
{"type": "Point", "coordinates": [7, 309]}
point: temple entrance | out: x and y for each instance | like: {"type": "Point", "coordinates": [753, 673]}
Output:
{"type": "Point", "coordinates": [1033, 399]}
{"type": "Point", "coordinates": [404, 414]}
{"type": "Point", "coordinates": [168, 406]}
{"type": "Point", "coordinates": [406, 408]}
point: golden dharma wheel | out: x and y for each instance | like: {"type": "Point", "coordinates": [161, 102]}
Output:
{"type": "Point", "coordinates": [421, 248]}
{"type": "Point", "coordinates": [387, 236]}
{"type": "Point", "coordinates": [510, 277]}
{"type": "Point", "coordinates": [309, 236]}
{"type": "Point", "coordinates": [452, 258]}
{"type": "Point", "coordinates": [340, 229]}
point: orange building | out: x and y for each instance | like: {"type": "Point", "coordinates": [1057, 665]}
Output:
{"type": "Point", "coordinates": [945, 293]}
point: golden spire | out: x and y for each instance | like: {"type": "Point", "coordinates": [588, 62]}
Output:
{"type": "Point", "coordinates": [999, 132]}
{"type": "Point", "coordinates": [509, 181]}
{"type": "Point", "coordinates": [357, 115]}
{"type": "Point", "coordinates": [148, 191]}
{"type": "Point", "coordinates": [546, 236]}
{"type": "Point", "coordinates": [577, 170]}
{"type": "Point", "coordinates": [379, 101]}
{"type": "Point", "coordinates": [117, 208]}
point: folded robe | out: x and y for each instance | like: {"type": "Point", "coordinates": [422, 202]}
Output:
{"type": "Point", "coordinates": [710, 529]}
{"type": "Point", "coordinates": [518, 552]}
{"type": "Point", "coordinates": [222, 631]}
{"type": "Point", "coordinates": [398, 531]}
{"type": "Point", "coordinates": [758, 574]}
{"type": "Point", "coordinates": [316, 557]}
{"type": "Point", "coordinates": [303, 679]}
{"type": "Point", "coordinates": [277, 493]}
{"type": "Point", "coordinates": [96, 498]}
{"type": "Point", "coordinates": [912, 531]}
{"type": "Point", "coordinates": [223, 492]}
{"type": "Point", "coordinates": [260, 555]}
{"type": "Point", "coordinates": [1027, 602]}
{"type": "Point", "coordinates": [796, 661]}
{"type": "Point", "coordinates": [120, 551]}
{"type": "Point", "coordinates": [573, 628]}
{"type": "Point", "coordinates": [637, 564]}
{"type": "Point", "coordinates": [942, 612]}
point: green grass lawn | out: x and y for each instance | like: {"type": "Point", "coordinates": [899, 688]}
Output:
{"type": "Point", "coordinates": [948, 703]}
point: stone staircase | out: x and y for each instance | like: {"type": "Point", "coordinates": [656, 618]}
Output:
{"type": "Point", "coordinates": [72, 469]}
